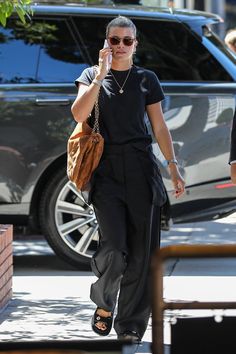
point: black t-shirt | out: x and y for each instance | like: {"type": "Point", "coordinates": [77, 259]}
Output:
{"type": "Point", "coordinates": [122, 116]}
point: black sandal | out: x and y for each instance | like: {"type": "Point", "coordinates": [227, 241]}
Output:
{"type": "Point", "coordinates": [131, 336]}
{"type": "Point", "coordinates": [106, 320]}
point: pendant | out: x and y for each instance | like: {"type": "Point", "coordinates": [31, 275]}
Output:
{"type": "Point", "coordinates": [121, 91]}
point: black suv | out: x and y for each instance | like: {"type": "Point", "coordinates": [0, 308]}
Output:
{"type": "Point", "coordinates": [38, 65]}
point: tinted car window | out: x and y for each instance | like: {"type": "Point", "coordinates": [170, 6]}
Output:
{"type": "Point", "coordinates": [23, 69]}
{"type": "Point", "coordinates": [175, 54]}
{"type": "Point", "coordinates": [165, 47]}
{"type": "Point", "coordinates": [45, 50]}
{"type": "Point", "coordinates": [219, 43]}
{"type": "Point", "coordinates": [92, 31]}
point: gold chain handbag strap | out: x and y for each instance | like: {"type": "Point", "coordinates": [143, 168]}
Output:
{"type": "Point", "coordinates": [96, 108]}
{"type": "Point", "coordinates": [96, 121]}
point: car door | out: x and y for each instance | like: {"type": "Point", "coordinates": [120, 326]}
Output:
{"type": "Point", "coordinates": [39, 62]}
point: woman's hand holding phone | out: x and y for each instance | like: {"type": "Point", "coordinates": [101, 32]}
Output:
{"type": "Point", "coordinates": [109, 57]}
{"type": "Point", "coordinates": [104, 61]}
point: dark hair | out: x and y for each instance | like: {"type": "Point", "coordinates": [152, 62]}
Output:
{"type": "Point", "coordinates": [230, 37]}
{"type": "Point", "coordinates": [121, 21]}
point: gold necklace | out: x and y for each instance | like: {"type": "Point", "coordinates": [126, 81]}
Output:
{"type": "Point", "coordinates": [121, 86]}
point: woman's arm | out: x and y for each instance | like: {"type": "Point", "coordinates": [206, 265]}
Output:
{"type": "Point", "coordinates": [87, 95]}
{"type": "Point", "coordinates": [163, 137]}
{"type": "Point", "coordinates": [233, 172]}
{"type": "Point", "coordinates": [84, 102]}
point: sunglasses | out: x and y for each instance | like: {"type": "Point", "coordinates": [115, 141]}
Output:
{"type": "Point", "coordinates": [128, 41]}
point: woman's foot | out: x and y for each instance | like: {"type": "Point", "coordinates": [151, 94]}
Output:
{"type": "Point", "coordinates": [102, 322]}
{"type": "Point", "coordinates": [130, 336]}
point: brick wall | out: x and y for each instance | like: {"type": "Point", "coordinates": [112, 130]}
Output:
{"type": "Point", "coordinates": [6, 264]}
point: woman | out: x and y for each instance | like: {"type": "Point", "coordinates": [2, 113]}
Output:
{"type": "Point", "coordinates": [127, 189]}
{"type": "Point", "coordinates": [230, 39]}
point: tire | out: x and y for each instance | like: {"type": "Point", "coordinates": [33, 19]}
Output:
{"type": "Point", "coordinates": [67, 221]}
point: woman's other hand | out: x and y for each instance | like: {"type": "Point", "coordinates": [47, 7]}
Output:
{"type": "Point", "coordinates": [233, 173]}
{"type": "Point", "coordinates": [177, 180]}
{"type": "Point", "coordinates": [103, 66]}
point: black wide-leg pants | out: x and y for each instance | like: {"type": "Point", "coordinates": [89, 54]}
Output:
{"type": "Point", "coordinates": [129, 226]}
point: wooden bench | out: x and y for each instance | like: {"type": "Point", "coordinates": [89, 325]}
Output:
{"type": "Point", "coordinates": [159, 305]}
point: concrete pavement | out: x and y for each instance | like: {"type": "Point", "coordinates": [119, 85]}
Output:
{"type": "Point", "coordinates": [51, 299]}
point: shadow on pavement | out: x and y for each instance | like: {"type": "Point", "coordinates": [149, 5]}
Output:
{"type": "Point", "coordinates": [45, 263]}
{"type": "Point", "coordinates": [50, 319]}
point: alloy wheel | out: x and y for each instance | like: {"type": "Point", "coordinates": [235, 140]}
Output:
{"type": "Point", "coordinates": [76, 221]}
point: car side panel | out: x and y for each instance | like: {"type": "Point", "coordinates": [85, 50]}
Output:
{"type": "Point", "coordinates": [200, 124]}
{"type": "Point", "coordinates": [35, 124]}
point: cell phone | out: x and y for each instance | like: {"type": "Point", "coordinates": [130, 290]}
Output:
{"type": "Point", "coordinates": [109, 58]}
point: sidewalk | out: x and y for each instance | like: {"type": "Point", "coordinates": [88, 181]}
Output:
{"type": "Point", "coordinates": [51, 300]}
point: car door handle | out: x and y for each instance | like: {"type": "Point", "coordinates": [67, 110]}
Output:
{"type": "Point", "coordinates": [52, 101]}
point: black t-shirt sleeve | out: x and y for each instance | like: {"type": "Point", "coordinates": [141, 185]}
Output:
{"type": "Point", "coordinates": [155, 93]}
{"type": "Point", "coordinates": [86, 77]}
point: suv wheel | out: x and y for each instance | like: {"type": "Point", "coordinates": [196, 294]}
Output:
{"type": "Point", "coordinates": [67, 221]}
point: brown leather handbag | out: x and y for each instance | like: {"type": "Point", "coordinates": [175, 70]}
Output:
{"type": "Point", "coordinates": [84, 150]}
